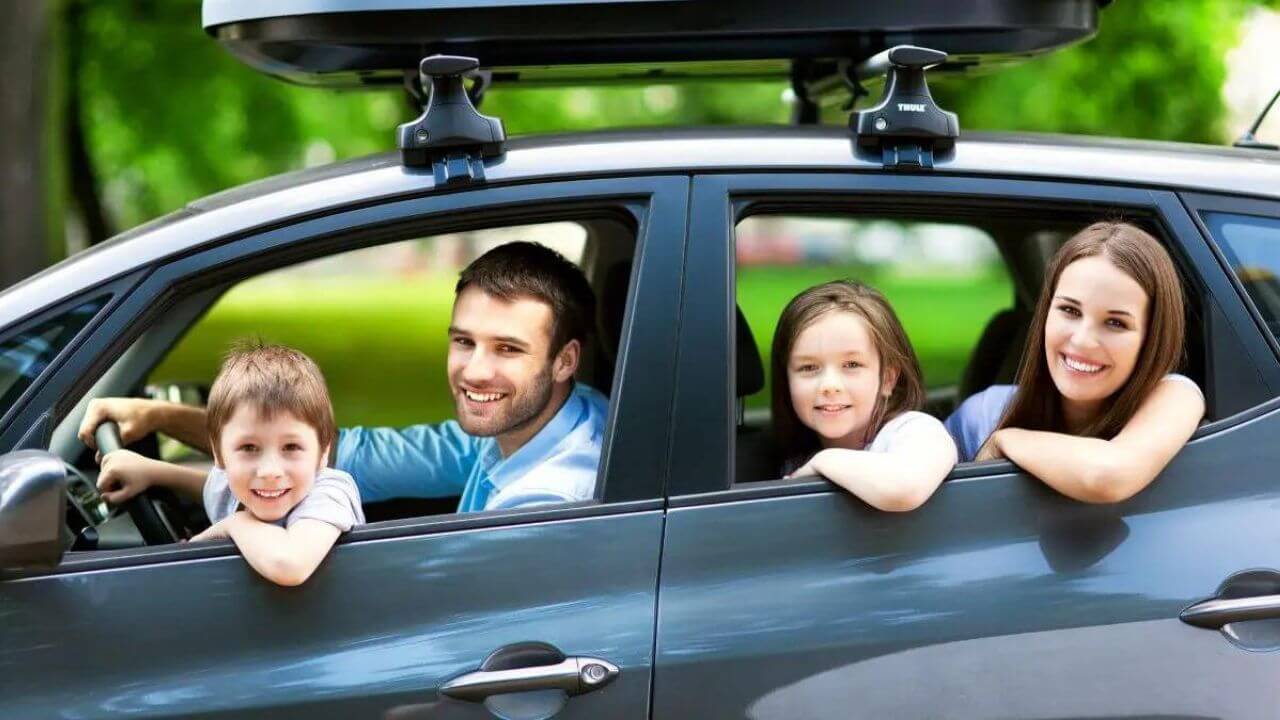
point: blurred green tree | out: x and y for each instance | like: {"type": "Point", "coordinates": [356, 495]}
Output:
{"type": "Point", "coordinates": [168, 116]}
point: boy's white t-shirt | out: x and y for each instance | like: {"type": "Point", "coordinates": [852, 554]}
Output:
{"type": "Point", "coordinates": [333, 499]}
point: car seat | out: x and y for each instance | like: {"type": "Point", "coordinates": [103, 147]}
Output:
{"type": "Point", "coordinates": [995, 358]}
{"type": "Point", "coordinates": [755, 457]}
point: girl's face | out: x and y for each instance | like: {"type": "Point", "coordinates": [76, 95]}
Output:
{"type": "Point", "coordinates": [834, 377]}
{"type": "Point", "coordinates": [1095, 328]}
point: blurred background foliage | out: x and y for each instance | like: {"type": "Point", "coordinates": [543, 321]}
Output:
{"type": "Point", "coordinates": [170, 117]}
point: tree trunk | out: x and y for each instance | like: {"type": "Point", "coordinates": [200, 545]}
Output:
{"type": "Point", "coordinates": [24, 212]}
{"type": "Point", "coordinates": [83, 179]}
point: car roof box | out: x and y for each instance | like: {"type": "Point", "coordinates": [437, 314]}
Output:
{"type": "Point", "coordinates": [352, 43]}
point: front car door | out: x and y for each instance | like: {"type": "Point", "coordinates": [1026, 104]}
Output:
{"type": "Point", "coordinates": [400, 607]}
{"type": "Point", "coordinates": [997, 598]}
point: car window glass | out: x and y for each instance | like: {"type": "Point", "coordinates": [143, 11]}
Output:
{"type": "Point", "coordinates": [384, 307]}
{"type": "Point", "coordinates": [946, 281]}
{"type": "Point", "coordinates": [1252, 246]}
{"type": "Point", "coordinates": [26, 354]}
{"type": "Point", "coordinates": [376, 320]}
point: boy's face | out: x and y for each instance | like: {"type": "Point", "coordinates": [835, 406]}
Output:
{"type": "Point", "coordinates": [270, 464]}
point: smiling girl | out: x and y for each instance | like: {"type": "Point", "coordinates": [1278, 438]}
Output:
{"type": "Point", "coordinates": [846, 396]}
{"type": "Point", "coordinates": [1097, 412]}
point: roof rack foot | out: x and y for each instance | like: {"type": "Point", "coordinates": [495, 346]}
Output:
{"type": "Point", "coordinates": [449, 123]}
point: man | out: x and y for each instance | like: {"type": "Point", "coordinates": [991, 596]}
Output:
{"type": "Point", "coordinates": [526, 433]}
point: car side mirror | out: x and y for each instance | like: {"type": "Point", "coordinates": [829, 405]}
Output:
{"type": "Point", "coordinates": [33, 508]}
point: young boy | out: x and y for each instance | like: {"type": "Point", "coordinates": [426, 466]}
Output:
{"type": "Point", "coordinates": [270, 426]}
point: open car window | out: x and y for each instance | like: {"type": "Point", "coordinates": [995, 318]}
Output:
{"type": "Point", "coordinates": [964, 290]}
{"type": "Point", "coordinates": [376, 321]}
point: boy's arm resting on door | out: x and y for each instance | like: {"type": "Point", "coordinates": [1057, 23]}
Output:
{"type": "Point", "coordinates": [285, 556]}
{"type": "Point", "coordinates": [1094, 470]}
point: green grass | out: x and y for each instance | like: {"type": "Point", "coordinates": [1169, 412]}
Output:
{"type": "Point", "coordinates": [382, 344]}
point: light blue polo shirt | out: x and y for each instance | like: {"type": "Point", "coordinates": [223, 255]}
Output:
{"type": "Point", "coordinates": [557, 465]}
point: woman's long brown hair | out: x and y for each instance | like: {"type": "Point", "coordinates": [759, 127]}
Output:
{"type": "Point", "coordinates": [796, 442]}
{"type": "Point", "coordinates": [1037, 404]}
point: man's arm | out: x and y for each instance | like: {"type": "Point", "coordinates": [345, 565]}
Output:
{"type": "Point", "coordinates": [422, 461]}
{"type": "Point", "coordinates": [138, 417]}
{"type": "Point", "coordinates": [126, 473]}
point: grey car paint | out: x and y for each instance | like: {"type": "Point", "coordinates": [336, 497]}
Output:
{"type": "Point", "coordinates": [788, 600]}
{"type": "Point", "coordinates": [379, 628]}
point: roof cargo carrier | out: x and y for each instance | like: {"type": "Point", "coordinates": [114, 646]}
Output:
{"type": "Point", "coordinates": [353, 43]}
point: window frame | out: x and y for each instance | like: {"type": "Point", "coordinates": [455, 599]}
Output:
{"type": "Point", "coordinates": [1201, 203]}
{"type": "Point", "coordinates": [632, 465]}
{"type": "Point", "coordinates": [702, 465]}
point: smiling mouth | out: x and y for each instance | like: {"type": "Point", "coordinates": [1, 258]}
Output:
{"type": "Point", "coordinates": [831, 409]}
{"type": "Point", "coordinates": [1081, 366]}
{"type": "Point", "coordinates": [483, 397]}
{"type": "Point", "coordinates": [269, 494]}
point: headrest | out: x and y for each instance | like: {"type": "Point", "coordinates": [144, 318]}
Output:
{"type": "Point", "coordinates": [750, 368]}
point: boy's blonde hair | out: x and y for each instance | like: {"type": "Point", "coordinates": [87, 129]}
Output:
{"type": "Point", "coordinates": [273, 378]}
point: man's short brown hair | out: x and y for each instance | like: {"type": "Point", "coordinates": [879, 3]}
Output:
{"type": "Point", "coordinates": [272, 378]}
{"type": "Point", "coordinates": [526, 269]}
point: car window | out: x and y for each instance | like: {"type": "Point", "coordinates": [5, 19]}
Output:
{"type": "Point", "coordinates": [1251, 244]}
{"type": "Point", "coordinates": [27, 353]}
{"type": "Point", "coordinates": [384, 307]}
{"type": "Point", "coordinates": [376, 321]}
{"type": "Point", "coordinates": [915, 265]}
{"type": "Point", "coordinates": [946, 282]}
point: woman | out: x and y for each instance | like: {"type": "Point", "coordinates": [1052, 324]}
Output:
{"type": "Point", "coordinates": [1097, 412]}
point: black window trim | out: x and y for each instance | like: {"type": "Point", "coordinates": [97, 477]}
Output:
{"type": "Point", "coordinates": [720, 200]}
{"type": "Point", "coordinates": [1199, 204]}
{"type": "Point", "coordinates": [111, 293]}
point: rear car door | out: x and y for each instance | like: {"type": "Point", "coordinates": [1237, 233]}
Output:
{"type": "Point", "coordinates": [400, 607]}
{"type": "Point", "coordinates": [997, 598]}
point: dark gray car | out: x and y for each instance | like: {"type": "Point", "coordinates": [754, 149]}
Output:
{"type": "Point", "coordinates": [714, 587]}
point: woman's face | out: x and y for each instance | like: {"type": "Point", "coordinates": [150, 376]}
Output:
{"type": "Point", "coordinates": [833, 374]}
{"type": "Point", "coordinates": [1095, 328]}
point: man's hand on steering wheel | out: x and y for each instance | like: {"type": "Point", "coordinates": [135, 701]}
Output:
{"type": "Point", "coordinates": [134, 417]}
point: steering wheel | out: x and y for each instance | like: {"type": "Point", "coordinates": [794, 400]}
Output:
{"type": "Point", "coordinates": [141, 507]}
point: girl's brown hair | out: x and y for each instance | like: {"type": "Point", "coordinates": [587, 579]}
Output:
{"type": "Point", "coordinates": [1037, 404]}
{"type": "Point", "coordinates": [796, 442]}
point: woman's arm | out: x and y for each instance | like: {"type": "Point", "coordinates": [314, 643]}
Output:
{"type": "Point", "coordinates": [898, 480]}
{"type": "Point", "coordinates": [285, 556]}
{"type": "Point", "coordinates": [1109, 471]}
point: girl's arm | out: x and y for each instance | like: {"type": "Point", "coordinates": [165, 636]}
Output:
{"type": "Point", "coordinates": [1109, 471]}
{"type": "Point", "coordinates": [898, 480]}
{"type": "Point", "coordinates": [285, 556]}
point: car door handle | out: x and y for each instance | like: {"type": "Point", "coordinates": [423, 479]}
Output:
{"type": "Point", "coordinates": [574, 675]}
{"type": "Point", "coordinates": [1213, 614]}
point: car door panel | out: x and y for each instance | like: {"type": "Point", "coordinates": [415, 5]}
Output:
{"type": "Point", "coordinates": [379, 628]}
{"type": "Point", "coordinates": [399, 607]}
{"type": "Point", "coordinates": [998, 597]}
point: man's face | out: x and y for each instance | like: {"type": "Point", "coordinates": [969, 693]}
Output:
{"type": "Point", "coordinates": [500, 366]}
